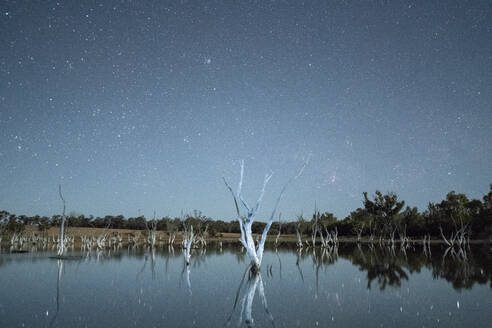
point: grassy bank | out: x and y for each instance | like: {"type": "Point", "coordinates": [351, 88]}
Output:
{"type": "Point", "coordinates": [163, 236]}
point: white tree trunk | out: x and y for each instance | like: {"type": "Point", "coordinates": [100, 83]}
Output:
{"type": "Point", "coordinates": [187, 242]}
{"type": "Point", "coordinates": [245, 223]}
{"type": "Point", "coordinates": [61, 236]}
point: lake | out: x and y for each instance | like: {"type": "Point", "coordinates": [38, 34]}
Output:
{"type": "Point", "coordinates": [350, 286]}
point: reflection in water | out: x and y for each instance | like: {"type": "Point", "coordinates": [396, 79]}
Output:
{"type": "Point", "coordinates": [186, 273]}
{"type": "Point", "coordinates": [188, 281]}
{"type": "Point", "coordinates": [170, 250]}
{"type": "Point", "coordinates": [58, 280]}
{"type": "Point", "coordinates": [387, 265]}
{"type": "Point", "coordinates": [139, 274]}
{"type": "Point", "coordinates": [152, 262]}
{"type": "Point", "coordinates": [381, 264]}
{"type": "Point", "coordinates": [152, 255]}
{"type": "Point", "coordinates": [279, 262]}
{"type": "Point", "coordinates": [322, 257]}
{"type": "Point", "coordinates": [298, 256]}
{"type": "Point", "coordinates": [382, 284]}
{"type": "Point", "coordinates": [253, 283]}
{"type": "Point", "coordinates": [462, 268]}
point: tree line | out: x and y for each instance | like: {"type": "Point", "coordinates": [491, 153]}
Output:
{"type": "Point", "coordinates": [380, 215]}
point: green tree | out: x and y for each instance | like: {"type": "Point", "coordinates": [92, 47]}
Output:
{"type": "Point", "coordinates": [451, 214]}
{"type": "Point", "coordinates": [384, 210]}
{"type": "Point", "coordinates": [482, 222]}
{"type": "Point", "coordinates": [413, 221]}
{"type": "Point", "coordinates": [327, 220]}
{"type": "Point", "coordinates": [14, 225]}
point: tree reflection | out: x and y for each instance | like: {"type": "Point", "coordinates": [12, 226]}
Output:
{"type": "Point", "coordinates": [186, 273]}
{"type": "Point", "coordinates": [248, 289]}
{"type": "Point", "coordinates": [381, 265]}
{"type": "Point", "coordinates": [58, 280]}
{"type": "Point", "coordinates": [462, 268]}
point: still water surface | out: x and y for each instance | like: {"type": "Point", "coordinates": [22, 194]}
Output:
{"type": "Point", "coordinates": [347, 287]}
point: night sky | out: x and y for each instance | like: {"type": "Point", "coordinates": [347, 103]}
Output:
{"type": "Point", "coordinates": [133, 106]}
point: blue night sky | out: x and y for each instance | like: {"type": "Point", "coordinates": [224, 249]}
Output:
{"type": "Point", "coordinates": [135, 105]}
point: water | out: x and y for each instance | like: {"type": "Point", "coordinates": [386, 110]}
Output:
{"type": "Point", "coordinates": [349, 287]}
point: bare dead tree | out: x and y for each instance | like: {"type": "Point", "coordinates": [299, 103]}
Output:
{"type": "Point", "coordinates": [152, 231]}
{"type": "Point", "coordinates": [404, 240]}
{"type": "Point", "coordinates": [299, 222]}
{"type": "Point", "coordinates": [200, 239]}
{"type": "Point", "coordinates": [451, 240]}
{"type": "Point", "coordinates": [392, 236]}
{"type": "Point", "coordinates": [61, 236]}
{"type": "Point", "coordinates": [187, 241]}
{"type": "Point", "coordinates": [371, 231]}
{"type": "Point", "coordinates": [426, 245]}
{"type": "Point", "coordinates": [3, 223]}
{"type": "Point", "coordinates": [171, 230]}
{"type": "Point", "coordinates": [334, 236]}
{"type": "Point", "coordinates": [315, 226]}
{"type": "Point", "coordinates": [133, 238]}
{"type": "Point", "coordinates": [101, 239]}
{"type": "Point", "coordinates": [359, 229]}
{"type": "Point", "coordinates": [245, 223]}
{"type": "Point", "coordinates": [279, 229]}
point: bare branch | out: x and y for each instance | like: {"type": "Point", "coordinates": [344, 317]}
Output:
{"type": "Point", "coordinates": [61, 197]}
{"type": "Point", "coordinates": [240, 186]}
{"type": "Point", "coordinates": [235, 199]}
{"type": "Point", "coordinates": [258, 202]}
{"type": "Point", "coordinates": [61, 236]}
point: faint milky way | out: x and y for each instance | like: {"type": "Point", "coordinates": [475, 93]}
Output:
{"type": "Point", "coordinates": [143, 105]}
